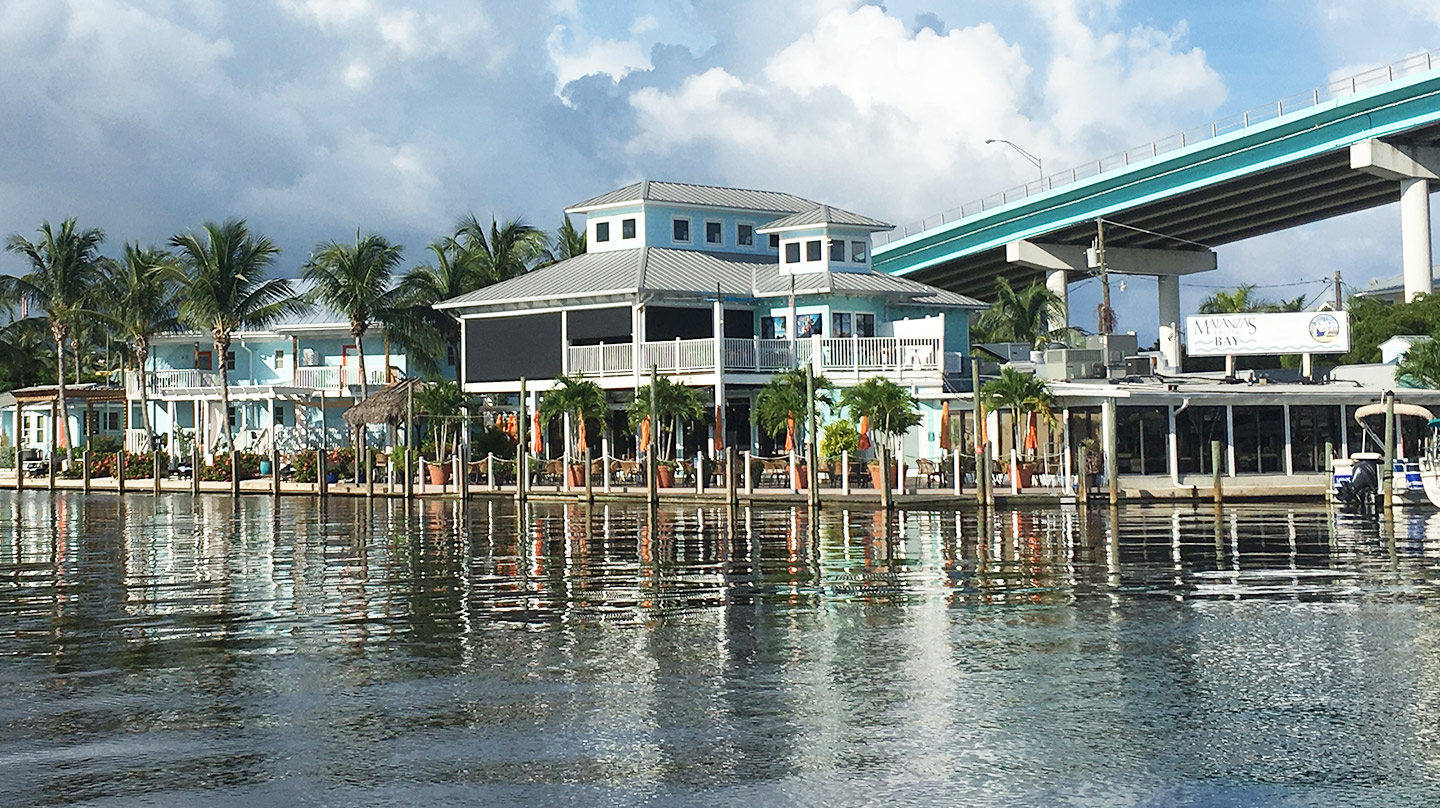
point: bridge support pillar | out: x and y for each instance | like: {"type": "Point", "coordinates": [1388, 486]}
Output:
{"type": "Point", "coordinates": [1415, 237]}
{"type": "Point", "coordinates": [1167, 288]}
{"type": "Point", "coordinates": [1058, 281]}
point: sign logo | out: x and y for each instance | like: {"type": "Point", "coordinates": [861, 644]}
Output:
{"type": "Point", "coordinates": [1324, 328]}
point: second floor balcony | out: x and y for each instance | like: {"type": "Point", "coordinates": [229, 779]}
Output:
{"type": "Point", "coordinates": [336, 380]}
{"type": "Point", "coordinates": [834, 356]}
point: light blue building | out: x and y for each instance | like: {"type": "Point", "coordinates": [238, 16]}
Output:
{"type": "Point", "coordinates": [719, 288]}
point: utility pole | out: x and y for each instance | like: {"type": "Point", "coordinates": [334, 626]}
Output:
{"type": "Point", "coordinates": [1106, 320]}
{"type": "Point", "coordinates": [1339, 298]}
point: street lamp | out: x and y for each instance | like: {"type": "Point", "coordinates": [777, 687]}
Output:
{"type": "Point", "coordinates": [1027, 155]}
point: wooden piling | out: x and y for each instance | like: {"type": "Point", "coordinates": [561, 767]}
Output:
{"type": "Point", "coordinates": [1387, 470]}
{"type": "Point", "coordinates": [234, 472]}
{"type": "Point", "coordinates": [84, 469]}
{"type": "Point", "coordinates": [369, 473]}
{"type": "Point", "coordinates": [120, 471]}
{"type": "Point", "coordinates": [195, 468]}
{"type": "Point", "coordinates": [731, 498]}
{"type": "Point", "coordinates": [1216, 486]}
{"type": "Point", "coordinates": [322, 483]}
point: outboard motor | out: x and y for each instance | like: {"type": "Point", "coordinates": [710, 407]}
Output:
{"type": "Point", "coordinates": [1362, 491]}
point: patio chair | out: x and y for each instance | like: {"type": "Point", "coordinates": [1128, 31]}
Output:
{"type": "Point", "coordinates": [930, 470]}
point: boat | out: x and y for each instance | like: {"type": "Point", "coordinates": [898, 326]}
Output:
{"type": "Point", "coordinates": [1355, 481]}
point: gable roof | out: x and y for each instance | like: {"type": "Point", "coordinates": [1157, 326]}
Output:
{"type": "Point", "coordinates": [682, 193]}
{"type": "Point", "coordinates": [825, 214]}
{"type": "Point", "coordinates": [665, 271]}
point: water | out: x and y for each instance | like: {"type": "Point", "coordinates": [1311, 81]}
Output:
{"type": "Point", "coordinates": [188, 651]}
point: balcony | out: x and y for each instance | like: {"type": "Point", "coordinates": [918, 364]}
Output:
{"type": "Point", "coordinates": [330, 379]}
{"type": "Point", "coordinates": [337, 378]}
{"type": "Point", "coordinates": [835, 356]}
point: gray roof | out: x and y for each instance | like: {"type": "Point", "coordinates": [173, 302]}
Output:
{"type": "Point", "coordinates": [825, 214]}
{"type": "Point", "coordinates": [708, 195]}
{"type": "Point", "coordinates": [1394, 286]}
{"type": "Point", "coordinates": [658, 270]}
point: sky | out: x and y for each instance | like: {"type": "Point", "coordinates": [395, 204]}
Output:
{"type": "Point", "coordinates": [313, 119]}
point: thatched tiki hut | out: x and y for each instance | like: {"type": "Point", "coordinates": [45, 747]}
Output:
{"type": "Point", "coordinates": [388, 406]}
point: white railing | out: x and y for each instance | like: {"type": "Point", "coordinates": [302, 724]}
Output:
{"type": "Point", "coordinates": [161, 381]}
{"type": "Point", "coordinates": [602, 360]}
{"type": "Point", "coordinates": [1419, 63]}
{"type": "Point", "coordinates": [853, 354]}
{"type": "Point", "coordinates": [337, 378]}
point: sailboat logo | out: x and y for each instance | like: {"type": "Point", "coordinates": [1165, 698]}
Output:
{"type": "Point", "coordinates": [1324, 328]}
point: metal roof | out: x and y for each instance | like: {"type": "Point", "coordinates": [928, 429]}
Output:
{"type": "Point", "coordinates": [825, 214]}
{"type": "Point", "coordinates": [658, 270]}
{"type": "Point", "coordinates": [681, 193]}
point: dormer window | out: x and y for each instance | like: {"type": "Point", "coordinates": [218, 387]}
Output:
{"type": "Point", "coordinates": [680, 231]}
{"type": "Point", "coordinates": [602, 231]}
{"type": "Point", "coordinates": [627, 228]}
{"type": "Point", "coordinates": [745, 235]}
{"type": "Point", "coordinates": [857, 252]}
{"type": "Point", "coordinates": [837, 249]}
{"type": "Point", "coordinates": [713, 233]}
{"type": "Point", "coordinates": [792, 252]}
{"type": "Point", "coordinates": [812, 250]}
{"type": "Point", "coordinates": [774, 241]}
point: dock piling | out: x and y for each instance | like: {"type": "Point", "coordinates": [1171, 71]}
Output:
{"type": "Point", "coordinates": [119, 471]}
{"type": "Point", "coordinates": [84, 469]}
{"type": "Point", "coordinates": [275, 470]}
{"type": "Point", "coordinates": [1216, 486]}
{"type": "Point", "coordinates": [322, 482]}
{"type": "Point", "coordinates": [195, 468]}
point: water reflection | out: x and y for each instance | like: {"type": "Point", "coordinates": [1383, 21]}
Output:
{"type": "Point", "coordinates": [282, 651]}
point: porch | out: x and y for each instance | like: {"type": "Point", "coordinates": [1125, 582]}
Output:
{"type": "Point", "coordinates": [857, 356]}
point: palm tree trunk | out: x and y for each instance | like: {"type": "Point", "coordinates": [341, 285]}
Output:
{"type": "Point", "coordinates": [63, 428]}
{"type": "Point", "coordinates": [222, 348]}
{"type": "Point", "coordinates": [359, 334]}
{"type": "Point", "coordinates": [142, 352]}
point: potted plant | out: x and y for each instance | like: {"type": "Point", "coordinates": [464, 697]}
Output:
{"type": "Point", "coordinates": [441, 403]}
{"type": "Point", "coordinates": [838, 438]}
{"type": "Point", "coordinates": [584, 401]}
{"type": "Point", "coordinates": [1020, 393]}
{"type": "Point", "coordinates": [675, 405]}
{"type": "Point", "coordinates": [783, 408]}
{"type": "Point", "coordinates": [891, 411]}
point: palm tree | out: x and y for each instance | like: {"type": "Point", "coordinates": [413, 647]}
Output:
{"type": "Point", "coordinates": [890, 409]}
{"type": "Point", "coordinates": [1026, 316]}
{"type": "Point", "coordinates": [355, 281]}
{"type": "Point", "coordinates": [428, 331]}
{"type": "Point", "coordinates": [1020, 393]}
{"type": "Point", "coordinates": [566, 243]}
{"type": "Point", "coordinates": [142, 300]}
{"type": "Point", "coordinates": [675, 404]}
{"type": "Point", "coordinates": [441, 402]}
{"type": "Point", "coordinates": [64, 272]}
{"type": "Point", "coordinates": [504, 252]}
{"type": "Point", "coordinates": [26, 355]}
{"type": "Point", "coordinates": [576, 396]}
{"type": "Point", "coordinates": [783, 402]}
{"type": "Point", "coordinates": [226, 289]}
{"type": "Point", "coordinates": [1243, 300]}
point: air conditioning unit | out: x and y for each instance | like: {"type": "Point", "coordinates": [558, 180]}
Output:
{"type": "Point", "coordinates": [1138, 366]}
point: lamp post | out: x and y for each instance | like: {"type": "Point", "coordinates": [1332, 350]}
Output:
{"type": "Point", "coordinates": [1027, 155]}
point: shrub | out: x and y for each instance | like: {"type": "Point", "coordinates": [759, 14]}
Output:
{"type": "Point", "coordinates": [219, 471]}
{"type": "Point", "coordinates": [839, 436]}
{"type": "Point", "coordinates": [105, 444]}
{"type": "Point", "coordinates": [305, 464]}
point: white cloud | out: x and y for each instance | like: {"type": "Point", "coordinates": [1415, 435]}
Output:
{"type": "Point", "coordinates": [574, 57]}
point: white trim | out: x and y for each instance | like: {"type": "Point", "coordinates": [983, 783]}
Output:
{"type": "Point", "coordinates": [507, 301]}
{"type": "Point", "coordinates": [721, 225]}
{"type": "Point", "coordinates": [689, 227]}
{"type": "Point", "coordinates": [773, 215]}
{"type": "Point", "coordinates": [490, 315]}
{"type": "Point", "coordinates": [754, 232]}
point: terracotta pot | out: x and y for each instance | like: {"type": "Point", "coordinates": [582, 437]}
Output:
{"type": "Point", "coordinates": [1027, 474]}
{"type": "Point", "coordinates": [575, 475]}
{"type": "Point", "coordinates": [801, 476]}
{"type": "Point", "coordinates": [439, 474]}
{"type": "Point", "coordinates": [879, 483]}
{"type": "Point", "coordinates": [665, 477]}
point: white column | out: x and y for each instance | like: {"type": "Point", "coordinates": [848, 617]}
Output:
{"type": "Point", "coordinates": [1230, 438]}
{"type": "Point", "coordinates": [718, 326]}
{"type": "Point", "coordinates": [1289, 453]}
{"type": "Point", "coordinates": [1058, 281]}
{"type": "Point", "coordinates": [1173, 446]}
{"type": "Point", "coordinates": [1415, 236]}
{"type": "Point", "coordinates": [1167, 292]}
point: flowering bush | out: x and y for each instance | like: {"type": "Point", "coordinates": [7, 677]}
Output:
{"type": "Point", "coordinates": [219, 471]}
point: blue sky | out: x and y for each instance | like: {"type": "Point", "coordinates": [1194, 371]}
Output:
{"type": "Point", "coordinates": [314, 117]}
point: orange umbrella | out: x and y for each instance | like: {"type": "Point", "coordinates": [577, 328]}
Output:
{"type": "Point", "coordinates": [945, 426]}
{"type": "Point", "coordinates": [1032, 434]}
{"type": "Point", "coordinates": [790, 433]}
{"type": "Point", "coordinates": [582, 445]}
{"type": "Point", "coordinates": [539, 442]}
{"type": "Point", "coordinates": [645, 435]}
{"type": "Point", "coordinates": [864, 442]}
{"type": "Point", "coordinates": [980, 440]}
{"type": "Point", "coordinates": [719, 428]}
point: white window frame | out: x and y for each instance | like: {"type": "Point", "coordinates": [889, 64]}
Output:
{"type": "Point", "coordinates": [689, 229]}
{"type": "Point", "coordinates": [835, 327]}
{"type": "Point", "coordinates": [740, 244]}
{"type": "Point", "coordinates": [280, 360]}
{"type": "Point", "coordinates": [864, 252]}
{"type": "Point", "coordinates": [719, 228]}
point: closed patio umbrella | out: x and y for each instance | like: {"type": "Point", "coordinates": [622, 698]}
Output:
{"type": "Point", "coordinates": [945, 426]}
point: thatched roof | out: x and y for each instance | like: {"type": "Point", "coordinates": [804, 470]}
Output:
{"type": "Point", "coordinates": [386, 406]}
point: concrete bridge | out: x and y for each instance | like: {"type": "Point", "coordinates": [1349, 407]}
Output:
{"type": "Point", "coordinates": [1354, 144]}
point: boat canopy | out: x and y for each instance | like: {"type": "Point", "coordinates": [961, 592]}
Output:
{"type": "Point", "coordinates": [1372, 410]}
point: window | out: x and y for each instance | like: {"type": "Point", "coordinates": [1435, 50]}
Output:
{"type": "Point", "coordinates": [602, 231]}
{"type": "Point", "coordinates": [812, 250]}
{"type": "Point", "coordinates": [792, 252]}
{"type": "Point", "coordinates": [773, 328]}
{"type": "Point", "coordinates": [627, 228]}
{"type": "Point", "coordinates": [34, 430]}
{"type": "Point", "coordinates": [745, 235]}
{"type": "Point", "coordinates": [231, 416]}
{"type": "Point", "coordinates": [279, 360]}
{"type": "Point", "coordinates": [857, 252]}
{"type": "Point", "coordinates": [279, 415]}
{"type": "Point", "coordinates": [680, 231]}
{"type": "Point", "coordinates": [451, 358]}
{"type": "Point", "coordinates": [230, 360]}
{"type": "Point", "coordinates": [774, 241]}
{"type": "Point", "coordinates": [864, 325]}
{"type": "Point", "coordinates": [713, 234]}
{"type": "Point", "coordinates": [110, 420]}
{"type": "Point", "coordinates": [837, 249]}
{"type": "Point", "coordinates": [842, 324]}
{"type": "Point", "coordinates": [809, 325]}
{"type": "Point", "coordinates": [204, 360]}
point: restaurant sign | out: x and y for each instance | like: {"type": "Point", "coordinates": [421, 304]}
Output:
{"type": "Point", "coordinates": [1297, 332]}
